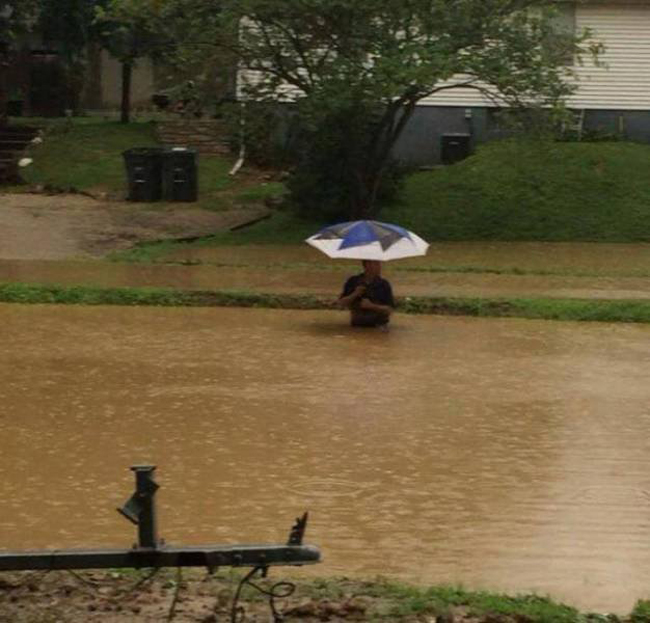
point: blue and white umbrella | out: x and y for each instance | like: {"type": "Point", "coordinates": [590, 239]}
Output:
{"type": "Point", "coordinates": [367, 240]}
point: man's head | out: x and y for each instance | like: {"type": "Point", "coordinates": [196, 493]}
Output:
{"type": "Point", "coordinates": [372, 268]}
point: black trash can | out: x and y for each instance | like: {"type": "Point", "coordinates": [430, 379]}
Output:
{"type": "Point", "coordinates": [144, 173]}
{"type": "Point", "coordinates": [180, 177]}
{"type": "Point", "coordinates": [455, 147]}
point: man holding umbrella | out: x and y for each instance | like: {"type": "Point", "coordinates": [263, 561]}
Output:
{"type": "Point", "coordinates": [368, 296]}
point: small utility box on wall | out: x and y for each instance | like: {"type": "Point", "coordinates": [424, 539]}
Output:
{"type": "Point", "coordinates": [455, 147]}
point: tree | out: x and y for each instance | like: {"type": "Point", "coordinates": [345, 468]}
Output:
{"type": "Point", "coordinates": [16, 17]}
{"type": "Point", "coordinates": [69, 27]}
{"type": "Point", "coordinates": [177, 32]}
{"type": "Point", "coordinates": [372, 61]}
{"type": "Point", "coordinates": [131, 30]}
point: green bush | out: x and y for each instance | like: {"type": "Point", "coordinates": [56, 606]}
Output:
{"type": "Point", "coordinates": [641, 612]}
{"type": "Point", "coordinates": [265, 129]}
{"type": "Point", "coordinates": [325, 183]}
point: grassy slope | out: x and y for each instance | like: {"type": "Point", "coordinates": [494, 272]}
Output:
{"type": "Point", "coordinates": [509, 190]}
{"type": "Point", "coordinates": [540, 308]}
{"type": "Point", "coordinates": [86, 155]}
{"type": "Point", "coordinates": [515, 190]}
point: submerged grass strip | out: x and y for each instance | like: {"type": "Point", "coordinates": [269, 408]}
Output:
{"type": "Point", "coordinates": [158, 252]}
{"type": "Point", "coordinates": [539, 308]}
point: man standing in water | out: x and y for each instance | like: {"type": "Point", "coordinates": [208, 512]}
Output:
{"type": "Point", "coordinates": [368, 296]}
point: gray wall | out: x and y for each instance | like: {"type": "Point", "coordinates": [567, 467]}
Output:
{"type": "Point", "coordinates": [420, 142]}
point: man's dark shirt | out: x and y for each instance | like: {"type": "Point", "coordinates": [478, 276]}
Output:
{"type": "Point", "coordinates": [378, 291]}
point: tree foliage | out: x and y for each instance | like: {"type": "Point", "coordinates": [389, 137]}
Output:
{"type": "Point", "coordinates": [69, 25]}
{"type": "Point", "coordinates": [177, 32]}
{"type": "Point", "coordinates": [346, 58]}
{"type": "Point", "coordinates": [17, 16]}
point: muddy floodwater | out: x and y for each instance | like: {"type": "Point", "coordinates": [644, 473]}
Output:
{"type": "Point", "coordinates": [563, 257]}
{"type": "Point", "coordinates": [501, 454]}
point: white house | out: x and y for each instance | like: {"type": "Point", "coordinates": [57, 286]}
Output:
{"type": "Point", "coordinates": [612, 97]}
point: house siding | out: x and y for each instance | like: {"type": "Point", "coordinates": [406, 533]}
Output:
{"type": "Point", "coordinates": [614, 94]}
{"type": "Point", "coordinates": [623, 80]}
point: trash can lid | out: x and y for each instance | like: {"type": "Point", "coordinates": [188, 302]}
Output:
{"type": "Point", "coordinates": [143, 151]}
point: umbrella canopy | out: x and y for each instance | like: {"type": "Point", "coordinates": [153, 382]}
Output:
{"type": "Point", "coordinates": [367, 240]}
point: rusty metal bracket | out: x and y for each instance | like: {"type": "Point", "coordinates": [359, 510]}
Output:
{"type": "Point", "coordinates": [152, 552]}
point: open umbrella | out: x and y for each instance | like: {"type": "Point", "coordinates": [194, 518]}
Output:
{"type": "Point", "coordinates": [367, 240]}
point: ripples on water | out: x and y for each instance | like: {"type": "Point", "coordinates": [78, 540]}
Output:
{"type": "Point", "coordinates": [504, 454]}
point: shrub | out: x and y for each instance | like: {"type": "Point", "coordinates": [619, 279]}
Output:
{"type": "Point", "coordinates": [331, 163]}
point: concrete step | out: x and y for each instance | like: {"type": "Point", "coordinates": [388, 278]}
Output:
{"type": "Point", "coordinates": [12, 145]}
{"type": "Point", "coordinates": [13, 141]}
{"type": "Point", "coordinates": [19, 133]}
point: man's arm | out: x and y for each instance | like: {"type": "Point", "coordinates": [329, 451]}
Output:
{"type": "Point", "coordinates": [386, 302]}
{"type": "Point", "coordinates": [370, 306]}
{"type": "Point", "coordinates": [347, 300]}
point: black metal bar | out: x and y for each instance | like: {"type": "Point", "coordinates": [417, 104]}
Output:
{"type": "Point", "coordinates": [145, 489]}
{"type": "Point", "coordinates": [163, 556]}
{"type": "Point", "coordinates": [150, 552]}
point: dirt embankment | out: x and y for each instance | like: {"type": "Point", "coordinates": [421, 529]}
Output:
{"type": "Point", "coordinates": [136, 597]}
{"type": "Point", "coordinates": [71, 226]}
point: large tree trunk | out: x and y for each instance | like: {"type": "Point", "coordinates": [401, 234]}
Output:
{"type": "Point", "coordinates": [364, 197]}
{"type": "Point", "coordinates": [372, 171]}
{"type": "Point", "coordinates": [127, 72]}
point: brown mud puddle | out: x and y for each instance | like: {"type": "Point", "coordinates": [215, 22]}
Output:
{"type": "Point", "coordinates": [64, 226]}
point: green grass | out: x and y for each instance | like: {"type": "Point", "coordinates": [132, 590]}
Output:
{"type": "Point", "coordinates": [512, 190]}
{"type": "Point", "coordinates": [534, 308]}
{"type": "Point", "coordinates": [85, 154]}
{"type": "Point", "coordinates": [281, 228]}
{"type": "Point", "coordinates": [526, 190]}
{"type": "Point", "coordinates": [319, 598]}
{"type": "Point", "coordinates": [538, 308]}
{"type": "Point", "coordinates": [509, 190]}
{"type": "Point", "coordinates": [641, 612]}
{"type": "Point", "coordinates": [405, 600]}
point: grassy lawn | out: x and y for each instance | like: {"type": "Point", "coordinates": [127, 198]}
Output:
{"type": "Point", "coordinates": [85, 154]}
{"type": "Point", "coordinates": [509, 191]}
{"type": "Point", "coordinates": [518, 190]}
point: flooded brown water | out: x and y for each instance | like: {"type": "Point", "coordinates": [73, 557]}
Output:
{"type": "Point", "coordinates": [309, 279]}
{"type": "Point", "coordinates": [503, 454]}
{"type": "Point", "coordinates": [569, 257]}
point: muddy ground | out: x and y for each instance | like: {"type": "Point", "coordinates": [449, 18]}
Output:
{"type": "Point", "coordinates": [36, 226]}
{"type": "Point", "coordinates": [129, 596]}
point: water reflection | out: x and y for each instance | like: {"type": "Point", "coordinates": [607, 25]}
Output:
{"type": "Point", "coordinates": [503, 454]}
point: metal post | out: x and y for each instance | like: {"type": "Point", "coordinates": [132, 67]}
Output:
{"type": "Point", "coordinates": [145, 490]}
{"type": "Point", "coordinates": [140, 509]}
